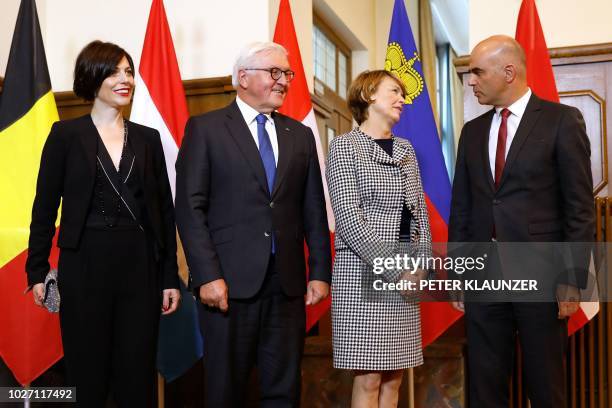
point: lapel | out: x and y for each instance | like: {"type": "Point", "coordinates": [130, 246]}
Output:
{"type": "Point", "coordinates": [401, 155]}
{"type": "Point", "coordinates": [241, 134]}
{"type": "Point", "coordinates": [377, 154]}
{"type": "Point", "coordinates": [285, 149]}
{"type": "Point", "coordinates": [90, 143]}
{"type": "Point", "coordinates": [482, 130]}
{"type": "Point", "coordinates": [532, 112]}
{"type": "Point", "coordinates": [400, 152]}
{"type": "Point", "coordinates": [89, 140]}
{"type": "Point", "coordinates": [140, 150]}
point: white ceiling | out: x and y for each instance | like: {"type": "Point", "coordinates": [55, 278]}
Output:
{"type": "Point", "coordinates": [451, 23]}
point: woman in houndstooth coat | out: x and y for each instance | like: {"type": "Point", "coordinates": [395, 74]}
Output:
{"type": "Point", "coordinates": [378, 203]}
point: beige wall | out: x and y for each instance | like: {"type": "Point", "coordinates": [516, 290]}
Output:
{"type": "Point", "coordinates": [384, 10]}
{"type": "Point", "coordinates": [207, 33]}
{"type": "Point", "coordinates": [362, 24]}
{"type": "Point", "coordinates": [8, 15]}
{"type": "Point", "coordinates": [370, 22]}
{"type": "Point", "coordinates": [565, 22]}
{"type": "Point", "coordinates": [301, 11]}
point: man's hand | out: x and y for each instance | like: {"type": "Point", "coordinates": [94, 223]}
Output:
{"type": "Point", "coordinates": [458, 305]}
{"type": "Point", "coordinates": [457, 301]}
{"type": "Point", "coordinates": [568, 300]}
{"type": "Point", "coordinates": [38, 291]}
{"type": "Point", "coordinates": [316, 292]}
{"type": "Point", "coordinates": [214, 294]}
{"type": "Point", "coordinates": [171, 300]}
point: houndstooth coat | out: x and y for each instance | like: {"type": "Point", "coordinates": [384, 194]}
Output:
{"type": "Point", "coordinates": [368, 189]}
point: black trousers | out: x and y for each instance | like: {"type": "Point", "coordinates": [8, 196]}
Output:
{"type": "Point", "coordinates": [109, 317]}
{"type": "Point", "coordinates": [266, 331]}
{"type": "Point", "coordinates": [491, 330]}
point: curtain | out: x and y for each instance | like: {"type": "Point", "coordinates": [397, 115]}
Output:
{"type": "Point", "coordinates": [456, 94]}
{"type": "Point", "coordinates": [451, 105]}
{"type": "Point", "coordinates": [427, 48]}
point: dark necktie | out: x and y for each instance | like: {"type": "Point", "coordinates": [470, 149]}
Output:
{"type": "Point", "coordinates": [500, 153]}
{"type": "Point", "coordinates": [267, 157]}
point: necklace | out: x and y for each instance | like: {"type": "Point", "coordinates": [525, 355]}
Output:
{"type": "Point", "coordinates": [111, 221]}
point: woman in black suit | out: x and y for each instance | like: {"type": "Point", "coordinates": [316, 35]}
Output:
{"type": "Point", "coordinates": [117, 266]}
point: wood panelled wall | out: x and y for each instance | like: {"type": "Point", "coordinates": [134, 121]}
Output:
{"type": "Point", "coordinates": [203, 95]}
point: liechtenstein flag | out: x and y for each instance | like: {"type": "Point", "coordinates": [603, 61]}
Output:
{"type": "Point", "coordinates": [417, 124]}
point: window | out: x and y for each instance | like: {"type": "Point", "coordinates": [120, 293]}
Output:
{"type": "Point", "coordinates": [331, 60]}
{"type": "Point", "coordinates": [445, 105]}
{"type": "Point", "coordinates": [332, 77]}
{"type": "Point", "coordinates": [342, 73]}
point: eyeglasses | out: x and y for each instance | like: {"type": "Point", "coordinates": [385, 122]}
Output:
{"type": "Point", "coordinates": [275, 73]}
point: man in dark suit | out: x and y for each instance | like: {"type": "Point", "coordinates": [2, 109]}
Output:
{"type": "Point", "coordinates": [523, 175]}
{"type": "Point", "coordinates": [249, 191]}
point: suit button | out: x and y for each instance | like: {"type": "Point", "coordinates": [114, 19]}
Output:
{"type": "Point", "coordinates": [267, 234]}
{"type": "Point", "coordinates": [496, 202]}
{"type": "Point", "coordinates": [272, 204]}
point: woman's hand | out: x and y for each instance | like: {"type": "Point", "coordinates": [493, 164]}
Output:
{"type": "Point", "coordinates": [38, 291]}
{"type": "Point", "coordinates": [414, 277]}
{"type": "Point", "coordinates": [171, 300]}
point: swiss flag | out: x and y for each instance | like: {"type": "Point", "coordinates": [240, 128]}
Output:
{"type": "Point", "coordinates": [542, 82]}
{"type": "Point", "coordinates": [298, 106]}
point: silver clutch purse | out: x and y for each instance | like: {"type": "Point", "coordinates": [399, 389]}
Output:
{"type": "Point", "coordinates": [52, 296]}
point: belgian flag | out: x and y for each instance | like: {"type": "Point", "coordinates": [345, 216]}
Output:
{"type": "Point", "coordinates": [30, 339]}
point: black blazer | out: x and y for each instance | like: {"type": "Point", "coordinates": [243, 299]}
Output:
{"type": "Point", "coordinates": [226, 216]}
{"type": "Point", "coordinates": [68, 172]}
{"type": "Point", "coordinates": [546, 189]}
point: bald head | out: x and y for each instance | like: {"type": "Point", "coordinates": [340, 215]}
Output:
{"type": "Point", "coordinates": [498, 71]}
{"type": "Point", "coordinates": [504, 50]}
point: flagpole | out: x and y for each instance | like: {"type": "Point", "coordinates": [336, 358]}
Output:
{"type": "Point", "coordinates": [26, 402]}
{"type": "Point", "coordinates": [411, 387]}
{"type": "Point", "coordinates": [161, 388]}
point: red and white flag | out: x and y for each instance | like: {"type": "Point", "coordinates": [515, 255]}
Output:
{"type": "Point", "coordinates": [159, 102]}
{"type": "Point", "coordinates": [159, 99]}
{"type": "Point", "coordinates": [541, 80]}
{"type": "Point", "coordinates": [298, 106]}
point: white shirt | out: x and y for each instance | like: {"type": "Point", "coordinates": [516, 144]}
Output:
{"type": "Point", "coordinates": [517, 109]}
{"type": "Point", "coordinates": [249, 114]}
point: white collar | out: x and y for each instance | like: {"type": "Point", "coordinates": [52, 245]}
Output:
{"type": "Point", "coordinates": [519, 106]}
{"type": "Point", "coordinates": [248, 112]}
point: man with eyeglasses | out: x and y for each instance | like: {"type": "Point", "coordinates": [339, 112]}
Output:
{"type": "Point", "coordinates": [249, 192]}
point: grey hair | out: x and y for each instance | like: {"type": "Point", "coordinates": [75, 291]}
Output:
{"type": "Point", "coordinates": [248, 55]}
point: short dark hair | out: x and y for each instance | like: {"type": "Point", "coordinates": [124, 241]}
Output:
{"type": "Point", "coordinates": [363, 87]}
{"type": "Point", "coordinates": [96, 62]}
